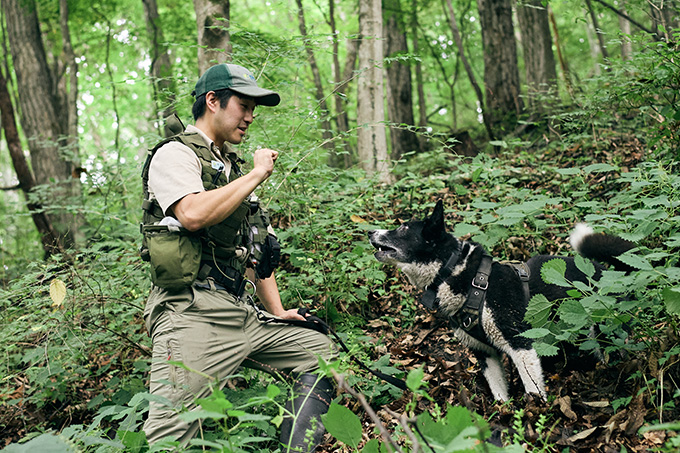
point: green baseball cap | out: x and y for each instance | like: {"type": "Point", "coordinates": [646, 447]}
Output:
{"type": "Point", "coordinates": [238, 79]}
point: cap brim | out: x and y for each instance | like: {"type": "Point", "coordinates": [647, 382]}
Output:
{"type": "Point", "coordinates": [261, 96]}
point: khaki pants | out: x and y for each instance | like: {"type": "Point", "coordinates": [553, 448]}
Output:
{"type": "Point", "coordinates": [213, 332]}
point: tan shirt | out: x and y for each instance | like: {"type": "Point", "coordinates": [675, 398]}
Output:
{"type": "Point", "coordinates": [175, 170]}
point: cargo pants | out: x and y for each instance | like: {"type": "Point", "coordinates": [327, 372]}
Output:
{"type": "Point", "coordinates": [213, 332]}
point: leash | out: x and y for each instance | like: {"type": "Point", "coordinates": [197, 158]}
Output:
{"type": "Point", "coordinates": [315, 323]}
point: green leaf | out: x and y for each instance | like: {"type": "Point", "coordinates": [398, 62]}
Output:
{"type": "Point", "coordinates": [671, 297]}
{"type": "Point", "coordinates": [536, 334]}
{"type": "Point", "coordinates": [414, 380]}
{"type": "Point", "coordinates": [599, 168]}
{"type": "Point", "coordinates": [636, 261]}
{"type": "Point", "coordinates": [585, 266]}
{"type": "Point", "coordinates": [538, 311]}
{"type": "Point", "coordinates": [545, 349]}
{"type": "Point", "coordinates": [552, 273]}
{"type": "Point", "coordinates": [572, 312]}
{"type": "Point", "coordinates": [373, 446]}
{"type": "Point", "coordinates": [134, 442]}
{"type": "Point", "coordinates": [343, 424]}
{"type": "Point", "coordinates": [45, 443]}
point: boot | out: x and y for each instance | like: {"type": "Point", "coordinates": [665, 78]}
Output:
{"type": "Point", "coordinates": [310, 399]}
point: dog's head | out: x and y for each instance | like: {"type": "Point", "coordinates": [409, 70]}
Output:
{"type": "Point", "coordinates": [414, 242]}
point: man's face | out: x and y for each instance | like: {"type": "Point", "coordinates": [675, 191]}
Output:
{"type": "Point", "coordinates": [232, 121]}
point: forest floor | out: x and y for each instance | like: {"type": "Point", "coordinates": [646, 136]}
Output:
{"type": "Point", "coordinates": [583, 412]}
{"type": "Point", "coordinates": [578, 417]}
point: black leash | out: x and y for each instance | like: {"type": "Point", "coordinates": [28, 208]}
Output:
{"type": "Point", "coordinates": [315, 323]}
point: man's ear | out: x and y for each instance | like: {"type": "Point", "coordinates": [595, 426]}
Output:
{"type": "Point", "coordinates": [434, 225]}
{"type": "Point", "coordinates": [211, 102]}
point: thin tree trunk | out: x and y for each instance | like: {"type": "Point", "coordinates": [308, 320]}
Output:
{"type": "Point", "coordinates": [326, 133]}
{"type": "Point", "coordinates": [475, 86]}
{"type": "Point", "coordinates": [42, 120]}
{"type": "Point", "coordinates": [599, 33]}
{"type": "Point", "coordinates": [626, 44]}
{"type": "Point", "coordinates": [49, 237]}
{"type": "Point", "coordinates": [161, 68]}
{"type": "Point", "coordinates": [420, 86]}
{"type": "Point", "coordinates": [563, 63]}
{"type": "Point", "coordinates": [341, 117]}
{"type": "Point", "coordinates": [214, 44]}
{"type": "Point", "coordinates": [400, 100]}
{"type": "Point", "coordinates": [371, 140]}
{"type": "Point", "coordinates": [539, 61]}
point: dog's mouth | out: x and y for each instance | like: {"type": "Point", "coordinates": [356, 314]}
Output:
{"type": "Point", "coordinates": [384, 252]}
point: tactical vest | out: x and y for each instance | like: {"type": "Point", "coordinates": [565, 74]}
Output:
{"type": "Point", "coordinates": [176, 254]}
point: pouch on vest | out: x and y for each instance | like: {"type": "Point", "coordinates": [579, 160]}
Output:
{"type": "Point", "coordinates": [175, 256]}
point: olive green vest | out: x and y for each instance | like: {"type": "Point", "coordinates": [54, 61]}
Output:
{"type": "Point", "coordinates": [218, 242]}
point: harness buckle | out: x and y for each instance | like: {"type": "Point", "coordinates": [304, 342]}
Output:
{"type": "Point", "coordinates": [482, 278]}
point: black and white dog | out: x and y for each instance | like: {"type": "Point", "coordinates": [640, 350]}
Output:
{"type": "Point", "coordinates": [485, 300]}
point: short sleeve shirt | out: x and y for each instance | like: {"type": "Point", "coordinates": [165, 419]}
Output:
{"type": "Point", "coordinates": [175, 170]}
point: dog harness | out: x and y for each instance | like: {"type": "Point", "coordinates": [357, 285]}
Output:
{"type": "Point", "coordinates": [469, 315]}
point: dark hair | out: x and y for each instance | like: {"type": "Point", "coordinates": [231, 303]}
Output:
{"type": "Point", "coordinates": [223, 96]}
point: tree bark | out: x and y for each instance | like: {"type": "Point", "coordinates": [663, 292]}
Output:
{"type": "Point", "coordinates": [487, 118]}
{"type": "Point", "coordinates": [564, 65]}
{"type": "Point", "coordinates": [49, 237]}
{"type": "Point", "coordinates": [371, 140]}
{"type": "Point", "coordinates": [214, 44]}
{"type": "Point", "coordinates": [420, 86]}
{"type": "Point", "coordinates": [399, 87]}
{"type": "Point", "coordinates": [341, 118]}
{"type": "Point", "coordinates": [626, 44]}
{"type": "Point", "coordinates": [598, 34]}
{"type": "Point", "coordinates": [539, 60]}
{"type": "Point", "coordinates": [161, 68]}
{"type": "Point", "coordinates": [326, 133]}
{"type": "Point", "coordinates": [501, 73]}
{"type": "Point", "coordinates": [42, 113]}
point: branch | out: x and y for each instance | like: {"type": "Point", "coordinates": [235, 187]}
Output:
{"type": "Point", "coordinates": [625, 16]}
{"type": "Point", "coordinates": [369, 410]}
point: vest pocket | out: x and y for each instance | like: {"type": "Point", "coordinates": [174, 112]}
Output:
{"type": "Point", "coordinates": [175, 256]}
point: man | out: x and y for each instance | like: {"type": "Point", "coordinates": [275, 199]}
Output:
{"type": "Point", "coordinates": [208, 239]}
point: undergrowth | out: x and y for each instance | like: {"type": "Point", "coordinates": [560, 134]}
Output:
{"type": "Point", "coordinates": [77, 355]}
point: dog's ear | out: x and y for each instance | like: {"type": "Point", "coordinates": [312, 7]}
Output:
{"type": "Point", "coordinates": [434, 225]}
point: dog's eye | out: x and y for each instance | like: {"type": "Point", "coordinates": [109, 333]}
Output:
{"type": "Point", "coordinates": [403, 228]}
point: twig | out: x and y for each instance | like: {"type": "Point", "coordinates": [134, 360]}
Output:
{"type": "Point", "coordinates": [404, 421]}
{"type": "Point", "coordinates": [369, 410]}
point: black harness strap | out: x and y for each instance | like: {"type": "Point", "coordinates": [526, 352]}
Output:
{"type": "Point", "coordinates": [429, 298]}
{"type": "Point", "coordinates": [469, 316]}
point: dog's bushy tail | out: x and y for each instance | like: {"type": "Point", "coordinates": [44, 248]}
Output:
{"type": "Point", "coordinates": [601, 247]}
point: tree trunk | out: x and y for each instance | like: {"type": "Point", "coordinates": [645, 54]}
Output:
{"type": "Point", "coordinates": [626, 44]}
{"type": "Point", "coordinates": [564, 65]}
{"type": "Point", "coordinates": [539, 60]}
{"type": "Point", "coordinates": [49, 237]}
{"type": "Point", "coordinates": [42, 114]}
{"type": "Point", "coordinates": [161, 68]}
{"type": "Point", "coordinates": [214, 45]}
{"type": "Point", "coordinates": [400, 98]}
{"type": "Point", "coordinates": [461, 53]}
{"type": "Point", "coordinates": [598, 34]}
{"type": "Point", "coordinates": [420, 86]}
{"type": "Point", "coordinates": [71, 100]}
{"type": "Point", "coordinates": [341, 118]}
{"type": "Point", "coordinates": [501, 74]}
{"type": "Point", "coordinates": [371, 140]}
{"type": "Point", "coordinates": [326, 132]}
